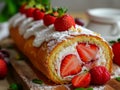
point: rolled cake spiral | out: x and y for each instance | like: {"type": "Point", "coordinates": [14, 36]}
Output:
{"type": "Point", "coordinates": [59, 55]}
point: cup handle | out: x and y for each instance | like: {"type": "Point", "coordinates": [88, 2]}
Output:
{"type": "Point", "coordinates": [115, 29]}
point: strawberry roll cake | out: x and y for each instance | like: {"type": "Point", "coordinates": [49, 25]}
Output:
{"type": "Point", "coordinates": [56, 46]}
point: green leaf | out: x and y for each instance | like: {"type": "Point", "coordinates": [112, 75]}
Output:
{"type": "Point", "coordinates": [61, 11]}
{"type": "Point", "coordinates": [31, 4]}
{"type": "Point", "coordinates": [15, 86]}
{"type": "Point", "coordinates": [45, 2]}
{"type": "Point", "coordinates": [112, 42]}
{"type": "Point", "coordinates": [37, 81]}
{"type": "Point", "coordinates": [118, 40]}
{"type": "Point", "coordinates": [79, 89]}
{"type": "Point", "coordinates": [118, 79]}
{"type": "Point", "coordinates": [90, 88]}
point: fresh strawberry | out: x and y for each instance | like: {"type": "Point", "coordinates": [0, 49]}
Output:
{"type": "Point", "coordinates": [64, 23]}
{"type": "Point", "coordinates": [3, 69]}
{"type": "Point", "coordinates": [29, 12]}
{"type": "Point", "coordinates": [70, 65]}
{"type": "Point", "coordinates": [48, 19]}
{"type": "Point", "coordinates": [22, 9]}
{"type": "Point", "coordinates": [38, 15]}
{"type": "Point", "coordinates": [82, 80]}
{"type": "Point", "coordinates": [116, 51]}
{"type": "Point", "coordinates": [87, 52]}
{"type": "Point", "coordinates": [99, 75]}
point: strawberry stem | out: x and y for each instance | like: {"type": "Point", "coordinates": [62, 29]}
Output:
{"type": "Point", "coordinates": [31, 4]}
{"type": "Point", "coordinates": [40, 6]}
{"type": "Point", "coordinates": [62, 11]}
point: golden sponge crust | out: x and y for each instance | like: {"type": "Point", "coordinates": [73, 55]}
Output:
{"type": "Point", "coordinates": [44, 60]}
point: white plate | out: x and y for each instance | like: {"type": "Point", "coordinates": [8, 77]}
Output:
{"type": "Point", "coordinates": [108, 15]}
{"type": "Point", "coordinates": [105, 21]}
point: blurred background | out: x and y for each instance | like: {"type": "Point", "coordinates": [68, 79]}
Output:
{"type": "Point", "coordinates": [10, 7]}
{"type": "Point", "coordinates": [75, 7]}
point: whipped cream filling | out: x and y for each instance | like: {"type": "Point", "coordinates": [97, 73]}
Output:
{"type": "Point", "coordinates": [72, 50]}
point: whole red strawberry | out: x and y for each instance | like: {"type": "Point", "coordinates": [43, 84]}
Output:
{"type": "Point", "coordinates": [3, 69]}
{"type": "Point", "coordinates": [82, 80]}
{"type": "Point", "coordinates": [38, 15]}
{"type": "Point", "coordinates": [99, 75]}
{"type": "Point", "coordinates": [48, 19]}
{"type": "Point", "coordinates": [64, 23]}
{"type": "Point", "coordinates": [22, 9]}
{"type": "Point", "coordinates": [116, 52]}
{"type": "Point", "coordinates": [29, 12]}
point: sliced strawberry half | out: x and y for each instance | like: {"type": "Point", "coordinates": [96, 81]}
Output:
{"type": "Point", "coordinates": [87, 52]}
{"type": "Point", "coordinates": [82, 80]}
{"type": "Point", "coordinates": [70, 65]}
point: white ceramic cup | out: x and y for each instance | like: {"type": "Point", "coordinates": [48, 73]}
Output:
{"type": "Point", "coordinates": [105, 21]}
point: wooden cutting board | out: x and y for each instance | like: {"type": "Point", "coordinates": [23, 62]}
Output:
{"type": "Point", "coordinates": [23, 72]}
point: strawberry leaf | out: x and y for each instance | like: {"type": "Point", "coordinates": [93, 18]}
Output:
{"type": "Point", "coordinates": [37, 81]}
{"type": "Point", "coordinates": [112, 42]}
{"type": "Point", "coordinates": [45, 2]}
{"type": "Point", "coordinates": [79, 89]}
{"type": "Point", "coordinates": [62, 11]}
{"type": "Point", "coordinates": [118, 40]}
{"type": "Point", "coordinates": [90, 88]}
{"type": "Point", "coordinates": [54, 9]}
{"type": "Point", "coordinates": [118, 79]}
{"type": "Point", "coordinates": [31, 4]}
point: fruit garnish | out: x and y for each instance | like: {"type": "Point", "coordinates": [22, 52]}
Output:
{"type": "Point", "coordinates": [48, 19]}
{"type": "Point", "coordinates": [38, 14]}
{"type": "Point", "coordinates": [82, 80]}
{"type": "Point", "coordinates": [29, 12]}
{"type": "Point", "coordinates": [87, 52]}
{"type": "Point", "coordinates": [37, 81]}
{"type": "Point", "coordinates": [99, 75]}
{"type": "Point", "coordinates": [116, 51]}
{"type": "Point", "coordinates": [70, 65]}
{"type": "Point", "coordinates": [64, 22]}
{"type": "Point", "coordinates": [22, 9]}
{"type": "Point", "coordinates": [3, 69]}
{"type": "Point", "coordinates": [79, 21]}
